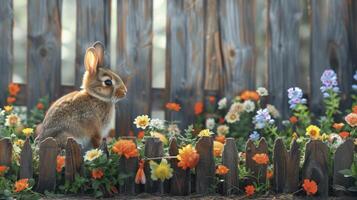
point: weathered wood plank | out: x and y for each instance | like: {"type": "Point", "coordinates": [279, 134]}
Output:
{"type": "Point", "coordinates": [293, 167]}
{"type": "Point", "coordinates": [230, 160]}
{"type": "Point", "coordinates": [236, 22]}
{"type": "Point", "coordinates": [205, 169]}
{"type": "Point", "coordinates": [44, 50]}
{"type": "Point", "coordinates": [47, 166]}
{"type": "Point", "coordinates": [279, 160]}
{"type": "Point", "coordinates": [128, 167]}
{"type": "Point", "coordinates": [6, 51]}
{"type": "Point", "coordinates": [283, 47]}
{"type": "Point", "coordinates": [330, 47]}
{"type": "Point", "coordinates": [352, 32]}
{"type": "Point", "coordinates": [93, 24]}
{"type": "Point", "coordinates": [74, 160]}
{"type": "Point", "coordinates": [26, 168]}
{"type": "Point", "coordinates": [316, 166]}
{"type": "Point", "coordinates": [343, 159]}
{"type": "Point", "coordinates": [251, 165]}
{"type": "Point", "coordinates": [153, 148]}
{"type": "Point", "coordinates": [185, 57]}
{"type": "Point", "coordinates": [180, 181]}
{"type": "Point", "coordinates": [134, 60]}
{"type": "Point", "coordinates": [5, 152]}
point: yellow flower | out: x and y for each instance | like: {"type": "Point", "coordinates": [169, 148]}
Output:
{"type": "Point", "coordinates": [93, 154]}
{"type": "Point", "coordinates": [142, 121]}
{"type": "Point", "coordinates": [204, 133]}
{"type": "Point", "coordinates": [324, 137]}
{"type": "Point", "coordinates": [27, 131]}
{"type": "Point", "coordinates": [355, 141]}
{"type": "Point", "coordinates": [217, 148]}
{"type": "Point", "coordinates": [161, 136]}
{"type": "Point", "coordinates": [12, 120]}
{"type": "Point", "coordinates": [160, 171]}
{"type": "Point", "coordinates": [19, 143]}
{"type": "Point", "coordinates": [313, 131]}
{"type": "Point", "coordinates": [295, 136]}
{"type": "Point", "coordinates": [8, 108]}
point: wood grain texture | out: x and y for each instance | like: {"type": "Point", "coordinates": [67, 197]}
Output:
{"type": "Point", "coordinates": [153, 148]}
{"type": "Point", "coordinates": [236, 24]}
{"type": "Point", "coordinates": [5, 152]}
{"type": "Point", "coordinates": [184, 57]}
{"type": "Point", "coordinates": [44, 50]}
{"type": "Point", "coordinates": [180, 181]}
{"type": "Point", "coordinates": [205, 169]}
{"type": "Point", "coordinates": [230, 160]}
{"type": "Point", "coordinates": [283, 50]}
{"type": "Point", "coordinates": [343, 159]}
{"type": "Point", "coordinates": [293, 168]}
{"type": "Point", "coordinates": [93, 24]}
{"type": "Point", "coordinates": [352, 32]}
{"type": "Point", "coordinates": [74, 160]}
{"type": "Point", "coordinates": [128, 167]}
{"type": "Point", "coordinates": [316, 166]}
{"type": "Point", "coordinates": [47, 170]}
{"type": "Point", "coordinates": [330, 48]}
{"type": "Point", "coordinates": [6, 50]}
{"type": "Point", "coordinates": [134, 60]}
{"type": "Point", "coordinates": [26, 168]}
{"type": "Point", "coordinates": [251, 165]}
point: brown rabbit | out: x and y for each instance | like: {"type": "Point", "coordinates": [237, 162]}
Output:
{"type": "Point", "coordinates": [85, 115]}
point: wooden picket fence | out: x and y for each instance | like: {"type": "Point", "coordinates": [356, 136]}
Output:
{"type": "Point", "coordinates": [287, 176]}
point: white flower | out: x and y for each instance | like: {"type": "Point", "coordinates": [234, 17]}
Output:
{"type": "Point", "coordinates": [273, 111]}
{"type": "Point", "coordinates": [92, 154]}
{"type": "Point", "coordinates": [157, 123]}
{"type": "Point", "coordinates": [236, 107]}
{"type": "Point", "coordinates": [222, 129]}
{"type": "Point", "coordinates": [142, 121]}
{"type": "Point", "coordinates": [232, 117]}
{"type": "Point", "coordinates": [2, 112]}
{"type": "Point", "coordinates": [12, 120]}
{"type": "Point", "coordinates": [262, 91]}
{"type": "Point", "coordinates": [210, 123]}
{"type": "Point", "coordinates": [173, 129]}
{"type": "Point", "coordinates": [249, 106]}
{"type": "Point", "coordinates": [222, 103]}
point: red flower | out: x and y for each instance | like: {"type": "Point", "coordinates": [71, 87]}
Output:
{"type": "Point", "coordinates": [293, 119]}
{"type": "Point", "coordinates": [198, 108]}
{"type": "Point", "coordinates": [309, 186]}
{"type": "Point", "coordinates": [173, 106]}
{"type": "Point", "coordinates": [97, 173]}
{"type": "Point", "coordinates": [14, 89]}
{"type": "Point", "coordinates": [141, 135]}
{"type": "Point", "coordinates": [40, 106]}
{"type": "Point", "coordinates": [344, 134]}
{"type": "Point", "coordinates": [249, 190]}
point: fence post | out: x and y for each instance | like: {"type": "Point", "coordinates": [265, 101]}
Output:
{"type": "Point", "coordinates": [251, 165]}
{"type": "Point", "coordinates": [205, 169]}
{"type": "Point", "coordinates": [5, 152]}
{"type": "Point", "coordinates": [343, 159]}
{"type": "Point", "coordinates": [74, 160]}
{"type": "Point", "coordinates": [26, 169]}
{"type": "Point", "coordinates": [153, 148]}
{"type": "Point", "coordinates": [128, 167]}
{"type": "Point", "coordinates": [230, 160]}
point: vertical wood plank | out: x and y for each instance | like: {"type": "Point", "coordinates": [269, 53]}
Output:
{"type": "Point", "coordinates": [128, 167]}
{"type": "Point", "coordinates": [6, 51]}
{"type": "Point", "coordinates": [134, 60]}
{"type": "Point", "coordinates": [205, 169]}
{"type": "Point", "coordinates": [230, 160]}
{"type": "Point", "coordinates": [5, 152]}
{"type": "Point", "coordinates": [47, 166]}
{"type": "Point", "coordinates": [283, 47]}
{"type": "Point", "coordinates": [236, 22]}
{"type": "Point", "coordinates": [279, 161]}
{"type": "Point", "coordinates": [93, 24]}
{"type": "Point", "coordinates": [251, 165]}
{"type": "Point", "coordinates": [330, 47]}
{"type": "Point", "coordinates": [352, 32]}
{"type": "Point", "coordinates": [44, 50]}
{"type": "Point", "coordinates": [293, 168]}
{"type": "Point", "coordinates": [153, 148]}
{"type": "Point", "coordinates": [185, 56]}
{"type": "Point", "coordinates": [74, 160]}
{"type": "Point", "coordinates": [343, 159]}
{"type": "Point", "coordinates": [180, 181]}
{"type": "Point", "coordinates": [316, 166]}
{"type": "Point", "coordinates": [26, 168]}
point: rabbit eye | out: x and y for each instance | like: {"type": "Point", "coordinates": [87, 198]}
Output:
{"type": "Point", "coordinates": [108, 82]}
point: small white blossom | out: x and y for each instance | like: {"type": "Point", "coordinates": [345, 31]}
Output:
{"type": "Point", "coordinates": [173, 129]}
{"type": "Point", "coordinates": [157, 123]}
{"type": "Point", "coordinates": [262, 91]}
{"type": "Point", "coordinates": [210, 123]}
{"type": "Point", "coordinates": [237, 108]}
{"type": "Point", "coordinates": [2, 112]}
{"type": "Point", "coordinates": [222, 129]}
{"type": "Point", "coordinates": [273, 111]}
{"type": "Point", "coordinates": [222, 103]}
{"type": "Point", "coordinates": [232, 117]}
{"type": "Point", "coordinates": [249, 106]}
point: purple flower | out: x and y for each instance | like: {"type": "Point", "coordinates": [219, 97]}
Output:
{"type": "Point", "coordinates": [254, 136]}
{"type": "Point", "coordinates": [354, 86]}
{"type": "Point", "coordinates": [295, 97]}
{"type": "Point", "coordinates": [262, 118]}
{"type": "Point", "coordinates": [329, 82]}
{"type": "Point", "coordinates": [355, 76]}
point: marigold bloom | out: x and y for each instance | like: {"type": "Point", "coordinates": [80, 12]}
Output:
{"type": "Point", "coordinates": [188, 157]}
{"type": "Point", "coordinates": [354, 109]}
{"type": "Point", "coordinates": [269, 174]}
{"type": "Point", "coordinates": [261, 158]}
{"type": "Point", "coordinates": [140, 174]}
{"type": "Point", "coordinates": [222, 170]}
{"type": "Point", "coordinates": [161, 136]}
{"type": "Point", "coordinates": [10, 100]}
{"type": "Point", "coordinates": [204, 133]}
{"type": "Point", "coordinates": [249, 95]}
{"type": "Point", "coordinates": [40, 106]}
{"type": "Point", "coordinates": [249, 190]}
{"type": "Point", "coordinates": [142, 121]}
{"type": "Point", "coordinates": [173, 106]}
{"type": "Point", "coordinates": [93, 154]}
{"type": "Point", "coordinates": [160, 171]}
{"type": "Point", "coordinates": [27, 131]}
{"type": "Point", "coordinates": [221, 139]}
{"type": "Point", "coordinates": [198, 108]}
{"type": "Point", "coordinates": [351, 119]}
{"type": "Point", "coordinates": [293, 119]}
{"type": "Point", "coordinates": [217, 148]}
{"type": "Point", "coordinates": [141, 135]}
{"type": "Point", "coordinates": [309, 186]}
{"type": "Point", "coordinates": [3, 169]}
{"type": "Point", "coordinates": [97, 173]}
{"type": "Point", "coordinates": [8, 108]}
{"type": "Point", "coordinates": [313, 131]}
{"type": "Point", "coordinates": [338, 126]}
{"type": "Point", "coordinates": [60, 163]}
{"type": "Point", "coordinates": [14, 89]}
{"type": "Point", "coordinates": [126, 148]}
{"type": "Point", "coordinates": [344, 134]}
{"type": "Point", "coordinates": [21, 185]}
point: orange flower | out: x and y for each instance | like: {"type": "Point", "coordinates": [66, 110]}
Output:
{"type": "Point", "coordinates": [211, 99]}
{"type": "Point", "coordinates": [249, 190]}
{"type": "Point", "coordinates": [198, 108]}
{"type": "Point", "coordinates": [222, 170]}
{"type": "Point", "coordinates": [188, 157]}
{"type": "Point", "coordinates": [293, 119]}
{"type": "Point", "coordinates": [11, 100]}
{"type": "Point", "coordinates": [97, 173]}
{"type": "Point", "coordinates": [3, 169]}
{"type": "Point", "coordinates": [351, 119]}
{"type": "Point", "coordinates": [173, 106]}
{"type": "Point", "coordinates": [21, 185]}
{"type": "Point", "coordinates": [338, 126]}
{"type": "Point", "coordinates": [217, 148]}
{"type": "Point", "coordinates": [249, 95]}
{"type": "Point", "coordinates": [261, 158]}
{"type": "Point", "coordinates": [14, 89]}
{"type": "Point", "coordinates": [60, 163]}
{"type": "Point", "coordinates": [344, 134]}
{"type": "Point", "coordinates": [221, 138]}
{"type": "Point", "coordinates": [40, 106]}
{"type": "Point", "coordinates": [140, 174]}
{"type": "Point", "coordinates": [269, 174]}
{"type": "Point", "coordinates": [141, 135]}
{"type": "Point", "coordinates": [309, 186]}
{"type": "Point", "coordinates": [126, 148]}
{"type": "Point", "coordinates": [354, 109]}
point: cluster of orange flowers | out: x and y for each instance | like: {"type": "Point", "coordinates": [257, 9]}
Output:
{"type": "Point", "coordinates": [198, 108]}
{"type": "Point", "coordinates": [222, 170]}
{"type": "Point", "coordinates": [249, 190]}
{"type": "Point", "coordinates": [21, 185]}
{"type": "Point", "coordinates": [60, 163]}
{"type": "Point", "coordinates": [249, 95]}
{"type": "Point", "coordinates": [173, 106]}
{"type": "Point", "coordinates": [261, 158]}
{"type": "Point", "coordinates": [309, 186]}
{"type": "Point", "coordinates": [126, 148]}
{"type": "Point", "coordinates": [13, 89]}
{"type": "Point", "coordinates": [188, 157]}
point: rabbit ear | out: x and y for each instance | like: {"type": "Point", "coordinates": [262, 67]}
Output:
{"type": "Point", "coordinates": [91, 60]}
{"type": "Point", "coordinates": [99, 47]}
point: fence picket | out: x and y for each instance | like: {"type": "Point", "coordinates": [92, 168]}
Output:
{"type": "Point", "coordinates": [343, 159]}
{"type": "Point", "coordinates": [26, 168]}
{"type": "Point", "coordinates": [5, 152]}
{"type": "Point", "coordinates": [230, 160]}
{"type": "Point", "coordinates": [251, 165]}
{"type": "Point", "coordinates": [292, 166]}
{"type": "Point", "coordinates": [74, 160]}
{"type": "Point", "coordinates": [153, 148]}
{"type": "Point", "coordinates": [205, 169]}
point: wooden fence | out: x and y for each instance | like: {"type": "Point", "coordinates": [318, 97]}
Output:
{"type": "Point", "coordinates": [287, 174]}
{"type": "Point", "coordinates": [211, 49]}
